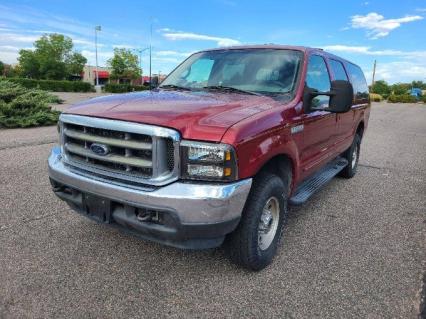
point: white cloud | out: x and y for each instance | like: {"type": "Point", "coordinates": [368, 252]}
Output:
{"type": "Point", "coordinates": [103, 56]}
{"type": "Point", "coordinates": [366, 50]}
{"type": "Point", "coordinates": [377, 26]}
{"type": "Point", "coordinates": [172, 53]}
{"type": "Point", "coordinates": [180, 35]}
{"type": "Point", "coordinates": [9, 48]}
{"type": "Point", "coordinates": [10, 38]}
{"type": "Point", "coordinates": [123, 46]}
{"type": "Point", "coordinates": [401, 71]}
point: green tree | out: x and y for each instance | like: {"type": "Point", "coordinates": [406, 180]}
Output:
{"type": "Point", "coordinates": [75, 63]}
{"type": "Point", "coordinates": [124, 65]}
{"type": "Point", "coordinates": [29, 64]}
{"type": "Point", "coordinates": [381, 87]}
{"type": "Point", "coordinates": [419, 84]}
{"type": "Point", "coordinates": [52, 58]}
{"type": "Point", "coordinates": [400, 88]}
{"type": "Point", "coordinates": [1, 68]}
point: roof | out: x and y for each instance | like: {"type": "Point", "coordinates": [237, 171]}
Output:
{"type": "Point", "coordinates": [281, 47]}
{"type": "Point", "coordinates": [265, 46]}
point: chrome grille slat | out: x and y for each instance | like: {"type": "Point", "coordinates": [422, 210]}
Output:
{"type": "Point", "coordinates": [107, 140]}
{"type": "Point", "coordinates": [133, 161]}
{"type": "Point", "coordinates": [136, 152]}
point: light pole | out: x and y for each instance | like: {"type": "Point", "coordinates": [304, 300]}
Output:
{"type": "Point", "coordinates": [140, 57]}
{"type": "Point", "coordinates": [97, 28]}
{"type": "Point", "coordinates": [150, 57]}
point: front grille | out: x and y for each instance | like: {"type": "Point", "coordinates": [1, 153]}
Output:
{"type": "Point", "coordinates": [128, 151]}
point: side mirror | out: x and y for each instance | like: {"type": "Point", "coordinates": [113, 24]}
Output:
{"type": "Point", "coordinates": [341, 97]}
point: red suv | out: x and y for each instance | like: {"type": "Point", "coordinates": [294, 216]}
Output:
{"type": "Point", "coordinates": [216, 152]}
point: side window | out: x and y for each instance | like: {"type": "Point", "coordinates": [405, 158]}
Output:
{"type": "Point", "coordinates": [338, 70]}
{"type": "Point", "coordinates": [358, 82]}
{"type": "Point", "coordinates": [317, 78]}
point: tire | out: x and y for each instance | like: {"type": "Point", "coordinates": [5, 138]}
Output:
{"type": "Point", "coordinates": [352, 156]}
{"type": "Point", "coordinates": [252, 245]}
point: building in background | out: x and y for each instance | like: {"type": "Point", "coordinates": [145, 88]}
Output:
{"type": "Point", "coordinates": [89, 74]}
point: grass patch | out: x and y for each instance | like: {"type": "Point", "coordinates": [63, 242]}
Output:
{"type": "Point", "coordinates": [21, 107]}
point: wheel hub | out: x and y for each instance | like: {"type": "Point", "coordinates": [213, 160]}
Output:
{"type": "Point", "coordinates": [354, 156]}
{"type": "Point", "coordinates": [268, 223]}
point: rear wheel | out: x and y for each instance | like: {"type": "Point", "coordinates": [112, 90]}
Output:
{"type": "Point", "coordinates": [352, 156]}
{"type": "Point", "coordinates": [255, 241]}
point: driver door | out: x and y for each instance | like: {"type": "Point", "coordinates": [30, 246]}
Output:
{"type": "Point", "coordinates": [320, 127]}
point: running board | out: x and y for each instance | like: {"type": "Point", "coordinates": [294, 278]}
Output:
{"type": "Point", "coordinates": [309, 186]}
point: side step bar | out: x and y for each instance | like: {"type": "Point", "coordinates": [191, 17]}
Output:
{"type": "Point", "coordinates": [309, 186]}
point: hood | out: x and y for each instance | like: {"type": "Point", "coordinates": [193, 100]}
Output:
{"type": "Point", "coordinates": [196, 115]}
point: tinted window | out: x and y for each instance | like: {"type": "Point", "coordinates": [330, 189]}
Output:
{"type": "Point", "coordinates": [266, 71]}
{"type": "Point", "coordinates": [317, 78]}
{"type": "Point", "coordinates": [200, 71]}
{"type": "Point", "coordinates": [338, 70]}
{"type": "Point", "coordinates": [358, 81]}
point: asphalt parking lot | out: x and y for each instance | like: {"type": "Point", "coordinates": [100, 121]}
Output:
{"type": "Point", "coordinates": [356, 249]}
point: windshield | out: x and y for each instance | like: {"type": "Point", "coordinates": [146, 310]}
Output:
{"type": "Point", "coordinates": [261, 71]}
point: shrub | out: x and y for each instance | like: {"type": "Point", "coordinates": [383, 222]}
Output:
{"type": "Point", "coordinates": [52, 85]}
{"type": "Point", "coordinates": [123, 88]}
{"type": "Point", "coordinates": [20, 107]}
{"type": "Point", "coordinates": [376, 97]}
{"type": "Point", "coordinates": [423, 98]}
{"type": "Point", "coordinates": [405, 98]}
{"type": "Point", "coordinates": [9, 91]}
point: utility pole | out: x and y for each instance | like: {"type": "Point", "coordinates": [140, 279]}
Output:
{"type": "Point", "coordinates": [97, 28]}
{"type": "Point", "coordinates": [374, 73]}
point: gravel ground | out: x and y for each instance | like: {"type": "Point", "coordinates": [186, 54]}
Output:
{"type": "Point", "coordinates": [356, 249]}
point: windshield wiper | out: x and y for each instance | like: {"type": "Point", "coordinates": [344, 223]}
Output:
{"type": "Point", "coordinates": [175, 87]}
{"type": "Point", "coordinates": [228, 89]}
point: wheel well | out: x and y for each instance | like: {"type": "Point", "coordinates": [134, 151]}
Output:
{"type": "Point", "coordinates": [360, 129]}
{"type": "Point", "coordinates": [282, 166]}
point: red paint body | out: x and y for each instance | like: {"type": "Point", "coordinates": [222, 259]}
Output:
{"type": "Point", "coordinates": [259, 127]}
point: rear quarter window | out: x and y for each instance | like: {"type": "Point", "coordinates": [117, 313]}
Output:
{"type": "Point", "coordinates": [359, 83]}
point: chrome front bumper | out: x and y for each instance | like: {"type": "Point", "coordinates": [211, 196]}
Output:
{"type": "Point", "coordinates": [193, 203]}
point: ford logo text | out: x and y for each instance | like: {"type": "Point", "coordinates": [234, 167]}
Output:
{"type": "Point", "coordinates": [100, 149]}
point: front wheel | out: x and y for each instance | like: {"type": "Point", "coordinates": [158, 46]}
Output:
{"type": "Point", "coordinates": [255, 241]}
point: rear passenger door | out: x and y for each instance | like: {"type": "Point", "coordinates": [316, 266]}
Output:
{"type": "Point", "coordinates": [350, 119]}
{"type": "Point", "coordinates": [319, 126]}
{"type": "Point", "coordinates": [344, 120]}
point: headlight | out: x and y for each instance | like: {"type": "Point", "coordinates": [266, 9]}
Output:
{"type": "Point", "coordinates": [208, 161]}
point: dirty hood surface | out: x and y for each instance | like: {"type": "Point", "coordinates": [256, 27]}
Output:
{"type": "Point", "coordinates": [196, 115]}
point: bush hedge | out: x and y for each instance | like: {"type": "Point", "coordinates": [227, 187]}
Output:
{"type": "Point", "coordinates": [123, 88]}
{"type": "Point", "coordinates": [52, 85]}
{"type": "Point", "coordinates": [405, 98]}
{"type": "Point", "coordinates": [376, 97]}
{"type": "Point", "coordinates": [21, 107]}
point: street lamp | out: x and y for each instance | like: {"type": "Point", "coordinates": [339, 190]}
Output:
{"type": "Point", "coordinates": [150, 57]}
{"type": "Point", "coordinates": [140, 56]}
{"type": "Point", "coordinates": [97, 28]}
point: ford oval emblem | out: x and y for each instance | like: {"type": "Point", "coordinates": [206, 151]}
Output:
{"type": "Point", "coordinates": [100, 149]}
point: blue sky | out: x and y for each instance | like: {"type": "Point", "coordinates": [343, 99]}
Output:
{"type": "Point", "coordinates": [393, 32]}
